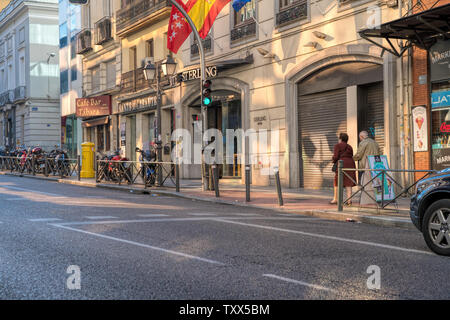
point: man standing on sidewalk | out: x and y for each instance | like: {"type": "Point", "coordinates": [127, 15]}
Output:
{"type": "Point", "coordinates": [367, 147]}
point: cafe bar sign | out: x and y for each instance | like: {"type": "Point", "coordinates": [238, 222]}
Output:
{"type": "Point", "coordinates": [93, 107]}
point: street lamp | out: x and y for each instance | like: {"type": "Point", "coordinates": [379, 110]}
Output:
{"type": "Point", "coordinates": [153, 72]}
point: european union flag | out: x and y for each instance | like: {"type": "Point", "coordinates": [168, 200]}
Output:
{"type": "Point", "coordinates": [238, 4]}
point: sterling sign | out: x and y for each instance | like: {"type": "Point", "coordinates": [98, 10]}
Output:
{"type": "Point", "coordinates": [93, 107]}
{"type": "Point", "coordinates": [211, 72]}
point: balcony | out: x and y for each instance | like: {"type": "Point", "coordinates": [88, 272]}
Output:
{"type": "Point", "coordinates": [244, 31]}
{"type": "Point", "coordinates": [295, 12]}
{"type": "Point", "coordinates": [84, 41]}
{"type": "Point", "coordinates": [6, 97]}
{"type": "Point", "coordinates": [133, 81]}
{"type": "Point", "coordinates": [103, 31]}
{"type": "Point", "coordinates": [207, 46]}
{"type": "Point", "coordinates": [132, 14]}
{"type": "Point", "coordinates": [19, 94]}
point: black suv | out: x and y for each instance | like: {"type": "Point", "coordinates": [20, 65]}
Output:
{"type": "Point", "coordinates": [430, 211]}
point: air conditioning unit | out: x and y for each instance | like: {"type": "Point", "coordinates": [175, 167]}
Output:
{"type": "Point", "coordinates": [84, 41]}
{"type": "Point", "coordinates": [103, 31]}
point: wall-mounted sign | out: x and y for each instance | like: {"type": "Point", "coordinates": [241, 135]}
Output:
{"type": "Point", "coordinates": [145, 103]}
{"type": "Point", "coordinates": [440, 60]}
{"type": "Point", "coordinates": [211, 72]}
{"type": "Point", "coordinates": [440, 99]}
{"type": "Point", "coordinates": [93, 107]}
{"type": "Point", "coordinates": [420, 128]}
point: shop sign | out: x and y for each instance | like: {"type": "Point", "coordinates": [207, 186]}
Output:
{"type": "Point", "coordinates": [93, 107]}
{"type": "Point", "coordinates": [211, 72]}
{"type": "Point", "coordinates": [440, 99]}
{"type": "Point", "coordinates": [420, 131]}
{"type": "Point", "coordinates": [441, 158]}
{"type": "Point", "coordinates": [440, 61]}
{"type": "Point", "coordinates": [145, 103]}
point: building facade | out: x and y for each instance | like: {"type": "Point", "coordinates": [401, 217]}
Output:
{"type": "Point", "coordinates": [299, 70]}
{"type": "Point", "coordinates": [70, 66]}
{"type": "Point", "coordinates": [29, 74]}
{"type": "Point", "coordinates": [99, 47]}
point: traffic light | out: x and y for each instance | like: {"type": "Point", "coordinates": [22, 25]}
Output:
{"type": "Point", "coordinates": [207, 93]}
{"type": "Point", "coordinates": [78, 1]}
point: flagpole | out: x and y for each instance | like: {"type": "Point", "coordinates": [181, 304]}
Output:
{"type": "Point", "coordinates": [202, 78]}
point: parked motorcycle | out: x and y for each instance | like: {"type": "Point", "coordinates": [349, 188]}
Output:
{"type": "Point", "coordinates": [120, 169]}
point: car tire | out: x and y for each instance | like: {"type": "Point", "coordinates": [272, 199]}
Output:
{"type": "Point", "coordinates": [429, 227]}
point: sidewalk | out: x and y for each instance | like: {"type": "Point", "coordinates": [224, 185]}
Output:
{"type": "Point", "coordinates": [296, 201]}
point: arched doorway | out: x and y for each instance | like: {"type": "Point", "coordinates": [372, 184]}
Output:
{"type": "Point", "coordinates": [342, 97]}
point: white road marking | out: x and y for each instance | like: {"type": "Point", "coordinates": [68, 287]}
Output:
{"type": "Point", "coordinates": [185, 255]}
{"type": "Point", "coordinates": [80, 223]}
{"type": "Point", "coordinates": [310, 285]}
{"type": "Point", "coordinates": [202, 214]}
{"type": "Point", "coordinates": [100, 217]}
{"type": "Point", "coordinates": [367, 243]}
{"type": "Point", "coordinates": [247, 214]}
{"type": "Point", "coordinates": [16, 199]}
{"type": "Point", "coordinates": [28, 190]}
{"type": "Point", "coordinates": [152, 215]}
{"type": "Point", "coordinates": [44, 220]}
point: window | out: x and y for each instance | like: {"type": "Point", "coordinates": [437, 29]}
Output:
{"type": "Point", "coordinates": [73, 73]}
{"type": "Point", "coordinates": [132, 59]}
{"type": "Point", "coordinates": [22, 35]}
{"type": "Point", "coordinates": [111, 74]}
{"type": "Point", "coordinates": [95, 77]}
{"type": "Point", "coordinates": [149, 50]}
{"type": "Point", "coordinates": [64, 81]}
{"type": "Point", "coordinates": [247, 12]}
{"type": "Point", "coordinates": [290, 11]}
{"type": "Point", "coordinates": [73, 47]}
{"type": "Point", "coordinates": [22, 71]}
{"type": "Point", "coordinates": [286, 3]}
{"type": "Point", "coordinates": [63, 35]}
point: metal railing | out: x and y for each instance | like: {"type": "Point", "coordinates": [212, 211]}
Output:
{"type": "Point", "coordinates": [149, 174]}
{"type": "Point", "coordinates": [62, 168]}
{"type": "Point", "coordinates": [378, 177]}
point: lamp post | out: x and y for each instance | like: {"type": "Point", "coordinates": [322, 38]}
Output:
{"type": "Point", "coordinates": [153, 72]}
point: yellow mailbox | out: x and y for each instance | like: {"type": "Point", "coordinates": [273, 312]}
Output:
{"type": "Point", "coordinates": [87, 156]}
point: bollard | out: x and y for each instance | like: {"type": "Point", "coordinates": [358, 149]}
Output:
{"type": "Point", "coordinates": [277, 179]}
{"type": "Point", "coordinates": [247, 183]}
{"type": "Point", "coordinates": [340, 185]}
{"type": "Point", "coordinates": [215, 172]}
{"type": "Point", "coordinates": [96, 167]}
{"type": "Point", "coordinates": [79, 167]}
{"type": "Point", "coordinates": [33, 164]}
{"type": "Point", "coordinates": [177, 177]}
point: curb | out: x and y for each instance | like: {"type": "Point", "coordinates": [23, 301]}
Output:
{"type": "Point", "coordinates": [385, 221]}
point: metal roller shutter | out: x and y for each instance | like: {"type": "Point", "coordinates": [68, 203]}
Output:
{"type": "Point", "coordinates": [322, 116]}
{"type": "Point", "coordinates": [375, 113]}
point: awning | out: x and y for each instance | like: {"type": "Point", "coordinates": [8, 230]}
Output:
{"type": "Point", "coordinates": [95, 122]}
{"type": "Point", "coordinates": [422, 29]}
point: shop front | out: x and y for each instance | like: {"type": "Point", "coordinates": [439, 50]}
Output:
{"type": "Point", "coordinates": [439, 61]}
{"type": "Point", "coordinates": [137, 125]}
{"type": "Point", "coordinates": [69, 135]}
{"type": "Point", "coordinates": [95, 114]}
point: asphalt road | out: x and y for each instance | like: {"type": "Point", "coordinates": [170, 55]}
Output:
{"type": "Point", "coordinates": [134, 246]}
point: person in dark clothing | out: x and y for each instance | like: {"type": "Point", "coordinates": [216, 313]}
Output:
{"type": "Point", "coordinates": [344, 151]}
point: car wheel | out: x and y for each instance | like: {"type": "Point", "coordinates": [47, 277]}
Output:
{"type": "Point", "coordinates": [436, 225]}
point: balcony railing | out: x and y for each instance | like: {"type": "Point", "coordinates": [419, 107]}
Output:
{"type": "Point", "coordinates": [295, 12]}
{"type": "Point", "coordinates": [6, 97]}
{"type": "Point", "coordinates": [206, 46]}
{"type": "Point", "coordinates": [103, 31]}
{"type": "Point", "coordinates": [19, 93]}
{"type": "Point", "coordinates": [84, 41]}
{"type": "Point", "coordinates": [134, 80]}
{"type": "Point", "coordinates": [138, 10]}
{"type": "Point", "coordinates": [244, 31]}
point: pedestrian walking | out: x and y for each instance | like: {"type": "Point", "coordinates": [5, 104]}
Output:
{"type": "Point", "coordinates": [367, 147]}
{"type": "Point", "coordinates": [344, 151]}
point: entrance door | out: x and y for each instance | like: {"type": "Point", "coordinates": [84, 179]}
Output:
{"type": "Point", "coordinates": [133, 138]}
{"type": "Point", "coordinates": [371, 111]}
{"type": "Point", "coordinates": [321, 117]}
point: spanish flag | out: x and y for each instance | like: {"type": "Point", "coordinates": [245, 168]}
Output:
{"type": "Point", "coordinates": [204, 12]}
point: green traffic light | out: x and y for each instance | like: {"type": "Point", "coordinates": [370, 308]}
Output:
{"type": "Point", "coordinates": [206, 101]}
